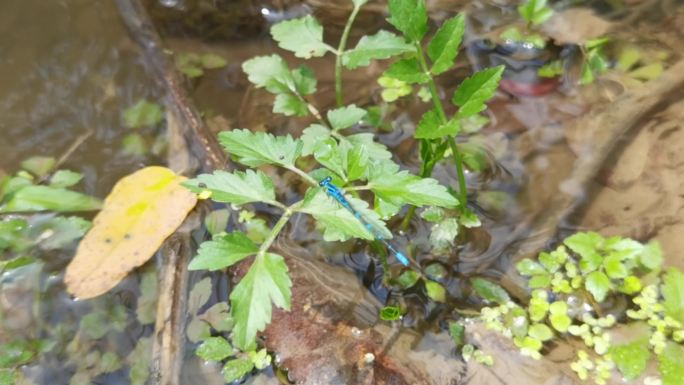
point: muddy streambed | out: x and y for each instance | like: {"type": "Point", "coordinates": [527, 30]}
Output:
{"type": "Point", "coordinates": [69, 69]}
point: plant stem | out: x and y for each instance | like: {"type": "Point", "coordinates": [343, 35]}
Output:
{"type": "Point", "coordinates": [304, 175]}
{"type": "Point", "coordinates": [462, 188]}
{"type": "Point", "coordinates": [340, 51]}
{"type": "Point", "coordinates": [436, 101]}
{"type": "Point", "coordinates": [277, 228]}
{"type": "Point", "coordinates": [427, 167]}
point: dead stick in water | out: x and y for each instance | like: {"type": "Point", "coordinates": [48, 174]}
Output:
{"type": "Point", "coordinates": [190, 137]}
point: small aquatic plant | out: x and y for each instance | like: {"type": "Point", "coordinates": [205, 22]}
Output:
{"type": "Point", "coordinates": [572, 288]}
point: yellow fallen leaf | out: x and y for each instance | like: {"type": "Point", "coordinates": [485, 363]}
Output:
{"type": "Point", "coordinates": [141, 211]}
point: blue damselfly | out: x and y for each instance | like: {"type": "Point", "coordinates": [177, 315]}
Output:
{"type": "Point", "coordinates": [337, 194]}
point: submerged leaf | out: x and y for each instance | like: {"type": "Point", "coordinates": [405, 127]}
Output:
{"type": "Point", "coordinates": [48, 198]}
{"type": "Point", "coordinates": [143, 114]}
{"type": "Point", "coordinates": [490, 291]}
{"type": "Point", "coordinates": [38, 165]}
{"type": "Point", "coordinates": [214, 349]}
{"type": "Point", "coordinates": [235, 369]}
{"type": "Point", "coordinates": [140, 212]}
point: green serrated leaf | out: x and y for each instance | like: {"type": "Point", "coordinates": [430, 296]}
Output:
{"type": "Point", "coordinates": [235, 369]}
{"type": "Point", "coordinates": [304, 80]}
{"type": "Point", "coordinates": [290, 105]}
{"type": "Point", "coordinates": [376, 150]}
{"type": "Point", "coordinates": [382, 45]}
{"type": "Point", "coordinates": [328, 153]}
{"type": "Point", "coordinates": [430, 127]}
{"type": "Point", "coordinates": [338, 223]}
{"type": "Point", "coordinates": [435, 291]}
{"type": "Point", "coordinates": [65, 178]}
{"type": "Point", "coordinates": [401, 187]}
{"type": "Point", "coordinates": [632, 358]}
{"type": "Point", "coordinates": [214, 349]}
{"type": "Point", "coordinates": [444, 46]}
{"type": "Point", "coordinates": [673, 294]}
{"type": "Point", "coordinates": [256, 148]}
{"type": "Point", "coordinates": [345, 117]}
{"type": "Point", "coordinates": [266, 282]}
{"type": "Point", "coordinates": [311, 136]}
{"type": "Point", "coordinates": [222, 251]}
{"type": "Point", "coordinates": [409, 17]}
{"type": "Point", "coordinates": [237, 187]}
{"type": "Point", "coordinates": [270, 72]}
{"type": "Point", "coordinates": [303, 36]}
{"type": "Point", "coordinates": [407, 70]}
{"type": "Point", "coordinates": [490, 291]}
{"type": "Point", "coordinates": [48, 198]}
{"type": "Point", "coordinates": [598, 284]}
{"type": "Point", "coordinates": [473, 92]}
{"type": "Point", "coordinates": [143, 113]}
{"type": "Point", "coordinates": [357, 162]}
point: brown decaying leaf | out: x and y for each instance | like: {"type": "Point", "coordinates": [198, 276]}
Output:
{"type": "Point", "coordinates": [142, 210]}
{"type": "Point", "coordinates": [576, 26]}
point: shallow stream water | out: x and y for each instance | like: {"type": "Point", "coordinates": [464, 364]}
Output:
{"type": "Point", "coordinates": [68, 70]}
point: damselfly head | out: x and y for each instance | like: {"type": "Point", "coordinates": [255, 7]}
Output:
{"type": "Point", "coordinates": [325, 181]}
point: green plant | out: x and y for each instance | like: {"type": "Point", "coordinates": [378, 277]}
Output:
{"type": "Point", "coordinates": [570, 288]}
{"type": "Point", "coordinates": [25, 198]}
{"type": "Point", "coordinates": [355, 162]}
{"type": "Point", "coordinates": [436, 130]}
